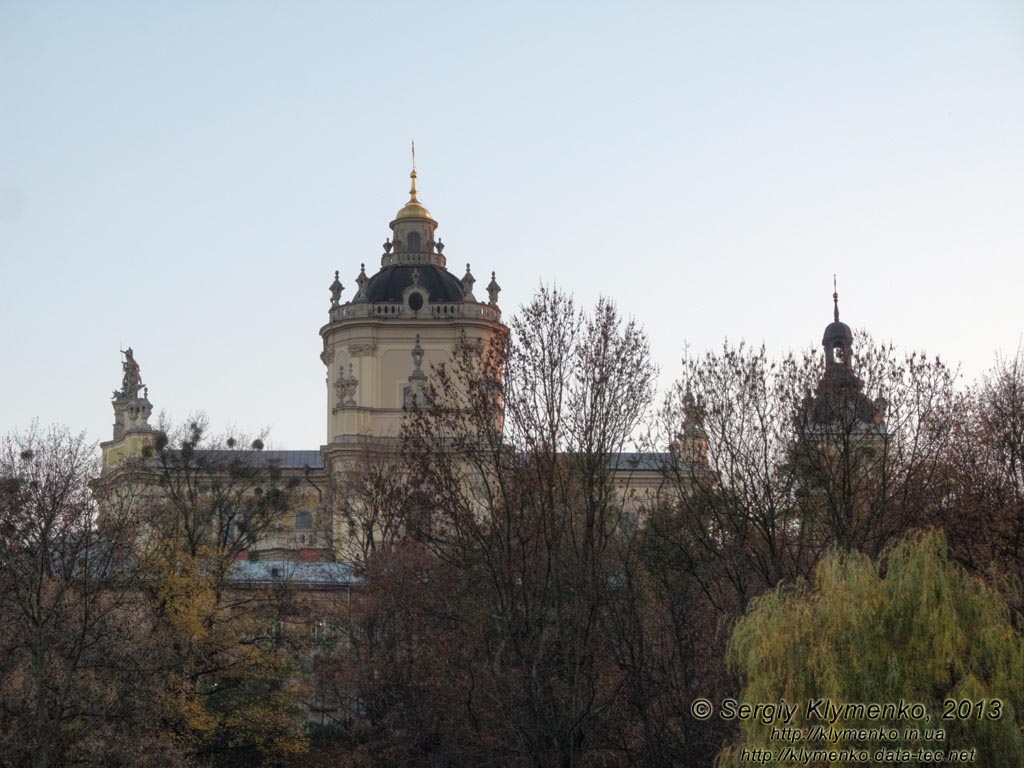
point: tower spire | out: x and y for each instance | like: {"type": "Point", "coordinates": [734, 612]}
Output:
{"type": "Point", "coordinates": [835, 298]}
{"type": "Point", "coordinates": [413, 176]}
{"type": "Point", "coordinates": [413, 209]}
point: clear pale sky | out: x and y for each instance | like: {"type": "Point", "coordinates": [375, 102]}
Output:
{"type": "Point", "coordinates": [185, 177]}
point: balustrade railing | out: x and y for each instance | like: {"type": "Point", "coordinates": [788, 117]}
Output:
{"type": "Point", "coordinates": [441, 311]}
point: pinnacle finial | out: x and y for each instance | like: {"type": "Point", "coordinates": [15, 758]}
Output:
{"type": "Point", "coordinates": [493, 289]}
{"type": "Point", "coordinates": [835, 298]}
{"type": "Point", "coordinates": [336, 289]}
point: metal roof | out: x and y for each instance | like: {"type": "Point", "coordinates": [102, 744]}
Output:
{"type": "Point", "coordinates": [639, 462]}
{"type": "Point", "coordinates": [292, 572]}
{"type": "Point", "coordinates": [626, 462]}
{"type": "Point", "coordinates": [281, 459]}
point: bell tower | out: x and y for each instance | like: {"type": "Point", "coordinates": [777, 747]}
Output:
{"type": "Point", "coordinates": [411, 314]}
{"type": "Point", "coordinates": [839, 400]}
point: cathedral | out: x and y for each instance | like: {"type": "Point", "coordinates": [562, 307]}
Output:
{"type": "Point", "coordinates": [378, 347]}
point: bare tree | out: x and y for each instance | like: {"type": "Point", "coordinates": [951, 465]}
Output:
{"type": "Point", "coordinates": [510, 447]}
{"type": "Point", "coordinates": [872, 468]}
{"type": "Point", "coordinates": [983, 508]}
{"type": "Point", "coordinates": [70, 682]}
{"type": "Point", "coordinates": [216, 496]}
{"type": "Point", "coordinates": [795, 464]}
{"type": "Point", "coordinates": [375, 501]}
{"type": "Point", "coordinates": [730, 524]}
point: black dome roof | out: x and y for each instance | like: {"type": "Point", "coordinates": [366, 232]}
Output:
{"type": "Point", "coordinates": [837, 331]}
{"type": "Point", "coordinates": [388, 284]}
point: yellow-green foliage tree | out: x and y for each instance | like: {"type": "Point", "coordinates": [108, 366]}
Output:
{"type": "Point", "coordinates": [912, 627]}
{"type": "Point", "coordinates": [230, 695]}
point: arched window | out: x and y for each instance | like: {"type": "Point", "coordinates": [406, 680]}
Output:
{"type": "Point", "coordinates": [413, 241]}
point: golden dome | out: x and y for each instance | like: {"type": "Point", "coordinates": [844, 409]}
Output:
{"type": "Point", "coordinates": [413, 209]}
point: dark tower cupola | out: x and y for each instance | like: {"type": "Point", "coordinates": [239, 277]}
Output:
{"type": "Point", "coordinates": [838, 398]}
{"type": "Point", "coordinates": [838, 343]}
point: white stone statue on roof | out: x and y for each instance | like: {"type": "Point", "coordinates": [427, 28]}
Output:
{"type": "Point", "coordinates": [131, 380]}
